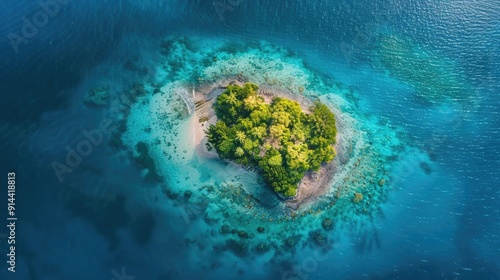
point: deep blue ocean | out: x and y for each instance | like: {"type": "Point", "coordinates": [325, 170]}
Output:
{"type": "Point", "coordinates": [429, 69]}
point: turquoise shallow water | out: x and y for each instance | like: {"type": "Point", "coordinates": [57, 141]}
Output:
{"type": "Point", "coordinates": [416, 84]}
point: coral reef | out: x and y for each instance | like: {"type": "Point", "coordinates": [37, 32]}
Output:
{"type": "Point", "coordinates": [327, 224]}
{"type": "Point", "coordinates": [357, 197]}
{"type": "Point", "coordinates": [97, 96]}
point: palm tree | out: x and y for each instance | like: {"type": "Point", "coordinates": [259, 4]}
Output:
{"type": "Point", "coordinates": [239, 152]}
{"type": "Point", "coordinates": [251, 102]}
{"type": "Point", "coordinates": [240, 136]}
{"type": "Point", "coordinates": [258, 132]}
{"type": "Point", "coordinates": [232, 99]}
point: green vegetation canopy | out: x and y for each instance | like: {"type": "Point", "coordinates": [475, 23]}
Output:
{"type": "Point", "coordinates": [278, 138]}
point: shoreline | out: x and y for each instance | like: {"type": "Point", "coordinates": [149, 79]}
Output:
{"type": "Point", "coordinates": [312, 185]}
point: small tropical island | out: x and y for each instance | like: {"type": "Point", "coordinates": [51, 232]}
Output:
{"type": "Point", "coordinates": [275, 136]}
{"type": "Point", "coordinates": [260, 171]}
